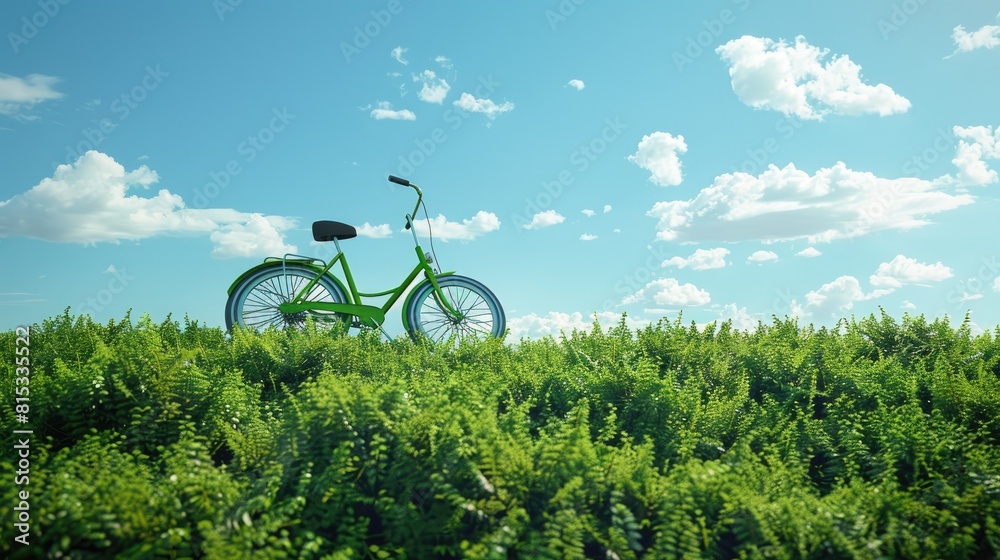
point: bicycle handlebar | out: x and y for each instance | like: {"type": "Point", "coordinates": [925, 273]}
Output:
{"type": "Point", "coordinates": [420, 195]}
{"type": "Point", "coordinates": [399, 180]}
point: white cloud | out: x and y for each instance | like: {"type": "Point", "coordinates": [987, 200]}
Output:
{"type": "Point", "coordinates": [19, 95]}
{"type": "Point", "coordinates": [786, 204]}
{"type": "Point", "coordinates": [607, 208]}
{"type": "Point", "coordinates": [668, 291]}
{"type": "Point", "coordinates": [433, 89]}
{"type": "Point", "coordinates": [657, 154]}
{"type": "Point", "coordinates": [384, 110]}
{"type": "Point", "coordinates": [762, 256]}
{"type": "Point", "coordinates": [577, 84]}
{"type": "Point", "coordinates": [397, 55]}
{"type": "Point", "coordinates": [903, 270]}
{"type": "Point", "coordinates": [587, 237]}
{"type": "Point", "coordinates": [375, 232]}
{"type": "Point", "coordinates": [552, 323]}
{"type": "Point", "coordinates": [794, 79]}
{"type": "Point", "coordinates": [545, 219]}
{"type": "Point", "coordinates": [740, 319]}
{"type": "Point", "coordinates": [469, 103]}
{"type": "Point", "coordinates": [259, 236]}
{"type": "Point", "coordinates": [985, 37]}
{"type": "Point", "coordinates": [480, 224]}
{"type": "Point", "coordinates": [588, 213]}
{"type": "Point", "coordinates": [616, 230]}
{"type": "Point", "coordinates": [555, 323]}
{"type": "Point", "coordinates": [809, 252]}
{"type": "Point", "coordinates": [975, 145]}
{"type": "Point", "coordinates": [836, 297]}
{"type": "Point", "coordinates": [88, 201]}
{"type": "Point", "coordinates": [444, 61]}
{"type": "Point", "coordinates": [833, 298]}
{"type": "Point", "coordinates": [907, 304]}
{"type": "Point", "coordinates": [996, 284]}
{"type": "Point", "coordinates": [701, 259]}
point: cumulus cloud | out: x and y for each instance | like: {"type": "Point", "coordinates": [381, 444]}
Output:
{"type": "Point", "coordinates": [259, 236]}
{"type": "Point", "coordinates": [384, 110]}
{"type": "Point", "coordinates": [668, 291]}
{"type": "Point", "coordinates": [985, 37]}
{"type": "Point", "coordinates": [588, 213]}
{"type": "Point", "coordinates": [786, 204]}
{"type": "Point", "coordinates": [701, 259]}
{"type": "Point", "coordinates": [996, 284]}
{"type": "Point", "coordinates": [468, 102]}
{"type": "Point", "coordinates": [92, 200]}
{"type": "Point", "coordinates": [809, 252]}
{"type": "Point", "coordinates": [658, 154]}
{"type": "Point", "coordinates": [836, 297]}
{"type": "Point", "coordinates": [762, 256]}
{"type": "Point", "coordinates": [607, 208]}
{"type": "Point", "coordinates": [576, 84]}
{"type": "Point", "coordinates": [903, 270]}
{"type": "Point", "coordinates": [739, 318]}
{"type": "Point", "coordinates": [587, 237]}
{"type": "Point", "coordinates": [545, 219]}
{"type": "Point", "coordinates": [375, 232]}
{"type": "Point", "coordinates": [444, 61]}
{"type": "Point", "coordinates": [555, 323]}
{"type": "Point", "coordinates": [19, 95]}
{"type": "Point", "coordinates": [976, 145]}
{"type": "Point", "coordinates": [469, 229]}
{"type": "Point", "coordinates": [397, 55]}
{"type": "Point", "coordinates": [432, 89]}
{"type": "Point", "coordinates": [795, 80]}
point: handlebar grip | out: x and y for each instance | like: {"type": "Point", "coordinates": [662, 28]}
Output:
{"type": "Point", "coordinates": [399, 181]}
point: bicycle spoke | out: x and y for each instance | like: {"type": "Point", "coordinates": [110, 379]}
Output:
{"type": "Point", "coordinates": [477, 314]}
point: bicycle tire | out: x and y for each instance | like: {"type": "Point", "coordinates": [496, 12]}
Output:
{"type": "Point", "coordinates": [270, 286]}
{"type": "Point", "coordinates": [483, 315]}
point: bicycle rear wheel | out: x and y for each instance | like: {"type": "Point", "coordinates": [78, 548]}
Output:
{"type": "Point", "coordinates": [480, 310]}
{"type": "Point", "coordinates": [254, 303]}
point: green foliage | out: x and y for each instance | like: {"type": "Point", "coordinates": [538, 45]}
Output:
{"type": "Point", "coordinates": [878, 438]}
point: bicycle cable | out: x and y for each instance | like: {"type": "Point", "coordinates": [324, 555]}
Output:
{"type": "Point", "coordinates": [430, 234]}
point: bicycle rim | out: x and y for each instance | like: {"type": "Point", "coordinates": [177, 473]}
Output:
{"type": "Point", "coordinates": [257, 307]}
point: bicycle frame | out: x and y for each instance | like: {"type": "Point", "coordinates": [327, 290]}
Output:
{"type": "Point", "coordinates": [369, 315]}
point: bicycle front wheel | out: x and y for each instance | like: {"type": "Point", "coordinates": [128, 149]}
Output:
{"type": "Point", "coordinates": [254, 303]}
{"type": "Point", "coordinates": [480, 313]}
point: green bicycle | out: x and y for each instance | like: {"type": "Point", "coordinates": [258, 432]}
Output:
{"type": "Point", "coordinates": [284, 291]}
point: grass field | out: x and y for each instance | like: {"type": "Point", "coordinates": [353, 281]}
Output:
{"type": "Point", "coordinates": [875, 439]}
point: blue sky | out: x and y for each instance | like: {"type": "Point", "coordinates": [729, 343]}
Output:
{"type": "Point", "coordinates": [728, 159]}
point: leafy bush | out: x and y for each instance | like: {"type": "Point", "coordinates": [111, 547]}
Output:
{"type": "Point", "coordinates": [877, 438]}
